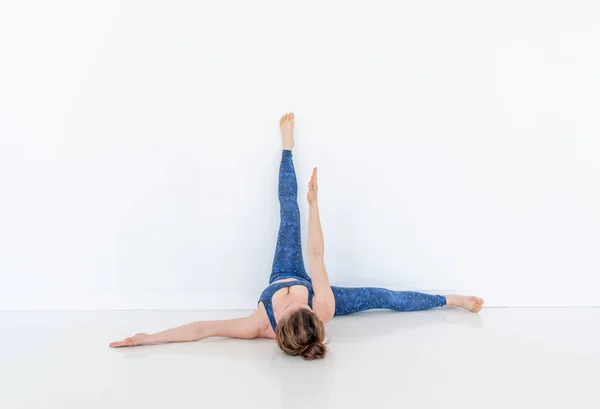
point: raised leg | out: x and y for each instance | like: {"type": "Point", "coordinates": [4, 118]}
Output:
{"type": "Point", "coordinates": [288, 261]}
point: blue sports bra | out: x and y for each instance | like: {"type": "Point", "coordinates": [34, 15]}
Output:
{"type": "Point", "coordinates": [267, 296]}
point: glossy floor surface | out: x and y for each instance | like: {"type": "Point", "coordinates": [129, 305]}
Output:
{"type": "Point", "coordinates": [501, 358]}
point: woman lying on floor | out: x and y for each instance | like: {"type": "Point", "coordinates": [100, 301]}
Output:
{"type": "Point", "coordinates": [294, 308]}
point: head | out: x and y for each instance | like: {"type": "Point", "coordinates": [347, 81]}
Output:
{"type": "Point", "coordinates": [301, 332]}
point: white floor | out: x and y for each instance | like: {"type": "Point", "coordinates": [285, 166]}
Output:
{"type": "Point", "coordinates": [501, 358]}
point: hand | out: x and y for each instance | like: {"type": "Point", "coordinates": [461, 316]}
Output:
{"type": "Point", "coordinates": [312, 187]}
{"type": "Point", "coordinates": [137, 339]}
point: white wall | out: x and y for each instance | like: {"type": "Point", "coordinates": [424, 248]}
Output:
{"type": "Point", "coordinates": [458, 145]}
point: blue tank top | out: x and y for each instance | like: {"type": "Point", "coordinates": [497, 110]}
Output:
{"type": "Point", "coordinates": [267, 296]}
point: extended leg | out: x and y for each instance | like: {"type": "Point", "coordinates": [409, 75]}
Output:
{"type": "Point", "coordinates": [351, 300]}
{"type": "Point", "coordinates": [288, 260]}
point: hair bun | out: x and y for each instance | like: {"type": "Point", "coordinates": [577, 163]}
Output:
{"type": "Point", "coordinates": [313, 351]}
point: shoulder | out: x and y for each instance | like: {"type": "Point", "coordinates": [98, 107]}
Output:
{"type": "Point", "coordinates": [324, 308]}
{"type": "Point", "coordinates": [263, 324]}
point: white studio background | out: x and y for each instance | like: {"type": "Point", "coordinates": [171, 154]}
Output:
{"type": "Point", "coordinates": [458, 145]}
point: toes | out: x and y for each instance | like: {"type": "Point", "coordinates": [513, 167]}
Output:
{"type": "Point", "coordinates": [287, 118]}
{"type": "Point", "coordinates": [478, 304]}
{"type": "Point", "coordinates": [475, 306]}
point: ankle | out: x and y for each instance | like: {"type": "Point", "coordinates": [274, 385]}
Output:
{"type": "Point", "coordinates": [453, 300]}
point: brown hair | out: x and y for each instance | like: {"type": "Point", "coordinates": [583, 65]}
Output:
{"type": "Point", "coordinates": [302, 333]}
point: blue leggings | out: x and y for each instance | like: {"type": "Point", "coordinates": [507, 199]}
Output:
{"type": "Point", "coordinates": [288, 262]}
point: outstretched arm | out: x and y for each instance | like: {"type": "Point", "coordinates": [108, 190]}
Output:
{"type": "Point", "coordinates": [324, 301]}
{"type": "Point", "coordinates": [246, 328]}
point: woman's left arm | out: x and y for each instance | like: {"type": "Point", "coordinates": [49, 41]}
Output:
{"type": "Point", "coordinates": [246, 328]}
{"type": "Point", "coordinates": [323, 301]}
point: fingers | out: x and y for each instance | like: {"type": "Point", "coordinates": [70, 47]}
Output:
{"type": "Point", "coordinates": [127, 342]}
{"type": "Point", "coordinates": [312, 183]}
{"type": "Point", "coordinates": [122, 344]}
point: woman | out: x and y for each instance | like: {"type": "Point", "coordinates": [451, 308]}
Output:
{"type": "Point", "coordinates": [294, 308]}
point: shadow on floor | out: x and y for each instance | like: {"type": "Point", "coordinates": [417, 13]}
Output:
{"type": "Point", "coordinates": [301, 383]}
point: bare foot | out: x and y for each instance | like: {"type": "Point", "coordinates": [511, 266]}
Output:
{"type": "Point", "coordinates": [287, 130]}
{"type": "Point", "coordinates": [473, 304]}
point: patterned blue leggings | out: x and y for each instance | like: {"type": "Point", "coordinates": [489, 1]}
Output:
{"type": "Point", "coordinates": [288, 262]}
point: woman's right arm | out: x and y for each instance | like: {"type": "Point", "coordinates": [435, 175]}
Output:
{"type": "Point", "coordinates": [247, 328]}
{"type": "Point", "coordinates": [323, 301]}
